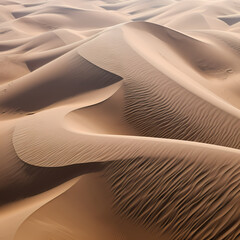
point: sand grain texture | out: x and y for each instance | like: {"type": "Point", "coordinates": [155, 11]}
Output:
{"type": "Point", "coordinates": [119, 120]}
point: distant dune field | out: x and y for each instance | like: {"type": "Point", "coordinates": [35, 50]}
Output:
{"type": "Point", "coordinates": [119, 120]}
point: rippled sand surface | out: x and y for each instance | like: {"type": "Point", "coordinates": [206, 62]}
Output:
{"type": "Point", "coordinates": [119, 120]}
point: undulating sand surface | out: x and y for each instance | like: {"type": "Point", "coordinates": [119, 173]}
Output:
{"type": "Point", "coordinates": [119, 120]}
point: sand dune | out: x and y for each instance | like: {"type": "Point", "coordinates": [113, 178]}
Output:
{"type": "Point", "coordinates": [119, 120]}
{"type": "Point", "coordinates": [146, 194]}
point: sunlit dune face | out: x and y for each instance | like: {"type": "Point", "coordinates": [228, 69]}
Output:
{"type": "Point", "coordinates": [119, 120]}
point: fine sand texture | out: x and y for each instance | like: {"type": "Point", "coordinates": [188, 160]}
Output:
{"type": "Point", "coordinates": [119, 120]}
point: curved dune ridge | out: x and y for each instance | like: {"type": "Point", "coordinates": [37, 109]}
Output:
{"type": "Point", "coordinates": [119, 120]}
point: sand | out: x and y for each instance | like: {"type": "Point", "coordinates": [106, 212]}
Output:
{"type": "Point", "coordinates": [119, 120]}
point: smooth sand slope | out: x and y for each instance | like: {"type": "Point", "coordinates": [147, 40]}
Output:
{"type": "Point", "coordinates": [119, 120]}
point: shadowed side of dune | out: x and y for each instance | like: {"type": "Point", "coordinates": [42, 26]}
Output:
{"type": "Point", "coordinates": [64, 78]}
{"type": "Point", "coordinates": [26, 180]}
{"type": "Point", "coordinates": [231, 19]}
{"type": "Point", "coordinates": [19, 180]}
{"type": "Point", "coordinates": [38, 59]}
